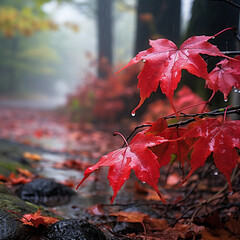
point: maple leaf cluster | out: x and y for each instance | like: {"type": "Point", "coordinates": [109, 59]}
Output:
{"type": "Point", "coordinates": [153, 147]}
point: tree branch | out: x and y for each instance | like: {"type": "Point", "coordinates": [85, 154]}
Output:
{"type": "Point", "coordinates": [192, 118]}
{"type": "Point", "coordinates": [232, 3]}
{"type": "Point", "coordinates": [231, 52]}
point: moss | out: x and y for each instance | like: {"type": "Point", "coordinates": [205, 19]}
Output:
{"type": "Point", "coordinates": [9, 202]}
{"type": "Point", "coordinates": [8, 165]}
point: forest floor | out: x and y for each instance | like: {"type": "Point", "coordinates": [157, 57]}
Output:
{"type": "Point", "coordinates": [202, 208]}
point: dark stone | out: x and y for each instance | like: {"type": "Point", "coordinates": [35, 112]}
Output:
{"type": "Point", "coordinates": [46, 192]}
{"type": "Point", "coordinates": [73, 229]}
{"type": "Point", "coordinates": [12, 209]}
{"type": "Point", "coordinates": [127, 227]}
{"type": "Point", "coordinates": [12, 228]}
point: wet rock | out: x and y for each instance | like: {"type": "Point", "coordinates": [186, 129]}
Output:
{"type": "Point", "coordinates": [46, 192]}
{"type": "Point", "coordinates": [73, 229]}
{"type": "Point", "coordinates": [12, 228]}
{"type": "Point", "coordinates": [11, 210]}
{"type": "Point", "coordinates": [127, 227]}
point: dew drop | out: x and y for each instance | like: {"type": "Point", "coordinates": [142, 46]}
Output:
{"type": "Point", "coordinates": [213, 37]}
{"type": "Point", "coordinates": [235, 90]}
{"type": "Point", "coordinates": [225, 100]}
{"type": "Point", "coordinates": [215, 173]}
{"type": "Point", "coordinates": [144, 60]}
{"type": "Point", "coordinates": [230, 193]}
{"type": "Point", "coordinates": [143, 182]}
{"type": "Point", "coordinates": [133, 114]}
{"type": "Point", "coordinates": [238, 91]}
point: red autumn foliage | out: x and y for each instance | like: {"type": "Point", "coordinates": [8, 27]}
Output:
{"type": "Point", "coordinates": [136, 156]}
{"type": "Point", "coordinates": [161, 142]}
{"type": "Point", "coordinates": [103, 99]}
{"type": "Point", "coordinates": [218, 138]}
{"type": "Point", "coordinates": [184, 99]}
{"type": "Point", "coordinates": [225, 76]}
{"type": "Point", "coordinates": [164, 61]}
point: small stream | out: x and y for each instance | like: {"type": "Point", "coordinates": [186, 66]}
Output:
{"type": "Point", "coordinates": [88, 194]}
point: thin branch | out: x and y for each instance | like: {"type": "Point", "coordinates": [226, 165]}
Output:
{"type": "Point", "coordinates": [231, 52]}
{"type": "Point", "coordinates": [217, 112]}
{"type": "Point", "coordinates": [232, 3]}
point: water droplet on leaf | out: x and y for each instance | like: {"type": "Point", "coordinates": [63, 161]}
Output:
{"type": "Point", "coordinates": [230, 193]}
{"type": "Point", "coordinates": [144, 60]}
{"type": "Point", "coordinates": [133, 114]}
{"type": "Point", "coordinates": [235, 90]}
{"type": "Point", "coordinates": [225, 100]}
{"type": "Point", "coordinates": [215, 173]}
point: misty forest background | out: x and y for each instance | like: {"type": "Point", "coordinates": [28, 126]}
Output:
{"type": "Point", "coordinates": [64, 52]}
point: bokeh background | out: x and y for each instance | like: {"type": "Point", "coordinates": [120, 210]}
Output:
{"type": "Point", "coordinates": [62, 54]}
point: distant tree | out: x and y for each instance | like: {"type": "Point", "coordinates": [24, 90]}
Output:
{"type": "Point", "coordinates": [157, 18]}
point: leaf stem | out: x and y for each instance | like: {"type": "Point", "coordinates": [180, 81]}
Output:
{"type": "Point", "coordinates": [224, 30]}
{"type": "Point", "coordinates": [124, 139]}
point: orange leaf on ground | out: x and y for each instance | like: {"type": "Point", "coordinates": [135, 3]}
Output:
{"type": "Point", "coordinates": [18, 180]}
{"type": "Point", "coordinates": [32, 156]}
{"type": "Point", "coordinates": [129, 216]}
{"type": "Point", "coordinates": [36, 219]}
{"type": "Point", "coordinates": [25, 172]}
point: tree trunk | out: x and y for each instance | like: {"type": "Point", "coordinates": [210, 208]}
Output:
{"type": "Point", "coordinates": [104, 22]}
{"type": "Point", "coordinates": [155, 19]}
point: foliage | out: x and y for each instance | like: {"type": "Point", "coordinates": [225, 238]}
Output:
{"type": "Point", "coordinates": [161, 142]}
{"type": "Point", "coordinates": [103, 99]}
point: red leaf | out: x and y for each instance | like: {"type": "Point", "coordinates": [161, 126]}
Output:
{"type": "Point", "coordinates": [164, 62]}
{"type": "Point", "coordinates": [136, 156]}
{"type": "Point", "coordinates": [18, 180]}
{"type": "Point", "coordinates": [36, 219]}
{"type": "Point", "coordinates": [225, 76]}
{"type": "Point", "coordinates": [220, 138]}
{"type": "Point", "coordinates": [165, 150]}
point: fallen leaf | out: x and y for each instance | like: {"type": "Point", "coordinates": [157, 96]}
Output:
{"type": "Point", "coordinates": [32, 156]}
{"type": "Point", "coordinates": [36, 219]}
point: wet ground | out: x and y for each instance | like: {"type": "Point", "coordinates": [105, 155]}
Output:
{"type": "Point", "coordinates": [59, 150]}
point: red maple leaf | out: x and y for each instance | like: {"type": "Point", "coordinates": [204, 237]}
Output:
{"type": "Point", "coordinates": [164, 61]}
{"type": "Point", "coordinates": [136, 156]}
{"type": "Point", "coordinates": [218, 138]}
{"type": "Point", "coordinates": [225, 76]}
{"type": "Point", "coordinates": [179, 147]}
{"type": "Point", "coordinates": [36, 219]}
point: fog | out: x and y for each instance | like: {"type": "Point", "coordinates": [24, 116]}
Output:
{"type": "Point", "coordinates": [71, 52]}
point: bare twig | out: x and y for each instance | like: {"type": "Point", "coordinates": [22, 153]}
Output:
{"type": "Point", "coordinates": [217, 112]}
